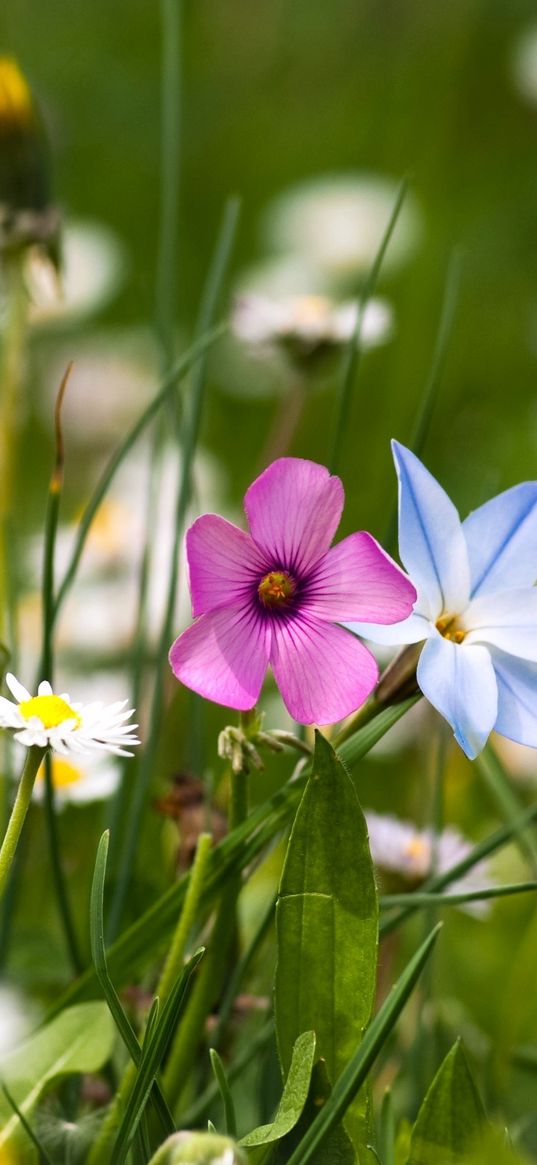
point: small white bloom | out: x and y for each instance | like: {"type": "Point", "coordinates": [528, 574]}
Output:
{"type": "Point", "coordinates": [524, 64]}
{"type": "Point", "coordinates": [309, 321]}
{"type": "Point", "coordinates": [16, 1019]}
{"type": "Point", "coordinates": [338, 221]}
{"type": "Point", "coordinates": [80, 782]}
{"type": "Point", "coordinates": [92, 270]}
{"type": "Point", "coordinates": [400, 847]}
{"type": "Point", "coordinates": [54, 721]}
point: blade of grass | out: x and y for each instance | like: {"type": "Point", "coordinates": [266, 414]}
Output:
{"type": "Point", "coordinates": [480, 851]}
{"type": "Point", "coordinates": [160, 1028]}
{"type": "Point", "coordinates": [98, 953]}
{"type": "Point", "coordinates": [167, 388]}
{"type": "Point", "coordinates": [501, 788]}
{"type": "Point", "coordinates": [353, 352]}
{"type": "Point", "coordinates": [45, 1159]}
{"type": "Point", "coordinates": [432, 383]}
{"type": "Point", "coordinates": [388, 901]}
{"type": "Point", "coordinates": [217, 273]}
{"type": "Point", "coordinates": [355, 1073]}
{"type": "Point", "coordinates": [225, 1093]}
{"type": "Point", "coordinates": [194, 1115]}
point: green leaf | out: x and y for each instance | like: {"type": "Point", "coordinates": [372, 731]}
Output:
{"type": "Point", "coordinates": [79, 1040]}
{"type": "Point", "coordinates": [337, 1149]}
{"type": "Point", "coordinates": [146, 937]}
{"type": "Point", "coordinates": [327, 925]}
{"type": "Point", "coordinates": [294, 1095]}
{"type": "Point", "coordinates": [451, 1121]}
{"type": "Point", "coordinates": [219, 1074]}
{"type": "Point", "coordinates": [356, 1071]}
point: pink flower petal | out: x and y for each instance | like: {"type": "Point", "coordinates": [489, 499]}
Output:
{"type": "Point", "coordinates": [293, 511]}
{"type": "Point", "coordinates": [357, 580]}
{"type": "Point", "coordinates": [224, 656]}
{"type": "Point", "coordinates": [224, 564]}
{"type": "Point", "coordinates": [322, 671]}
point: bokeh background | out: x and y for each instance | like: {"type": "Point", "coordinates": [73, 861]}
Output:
{"type": "Point", "coordinates": [275, 95]}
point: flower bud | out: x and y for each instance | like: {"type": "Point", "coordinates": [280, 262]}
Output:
{"type": "Point", "coordinates": [27, 216]}
{"type": "Point", "coordinates": [199, 1149]}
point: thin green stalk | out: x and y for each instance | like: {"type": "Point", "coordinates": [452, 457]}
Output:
{"type": "Point", "coordinates": [187, 919]}
{"type": "Point", "coordinates": [506, 798]}
{"type": "Point", "coordinates": [11, 373]}
{"type": "Point", "coordinates": [34, 756]}
{"type": "Point", "coordinates": [353, 353]}
{"type": "Point", "coordinates": [47, 663]}
{"type": "Point", "coordinates": [432, 384]}
{"type": "Point", "coordinates": [193, 1116]}
{"type": "Point", "coordinates": [170, 158]}
{"type": "Point", "coordinates": [419, 898]}
{"type": "Point", "coordinates": [211, 977]}
{"type": "Point", "coordinates": [43, 1154]}
{"type": "Point", "coordinates": [222, 1082]}
{"type": "Point", "coordinates": [167, 387]}
{"type": "Point", "coordinates": [191, 433]}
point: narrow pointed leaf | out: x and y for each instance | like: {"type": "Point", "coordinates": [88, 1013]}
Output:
{"type": "Point", "coordinates": [451, 1121]}
{"type": "Point", "coordinates": [327, 925]}
{"type": "Point", "coordinates": [294, 1095]}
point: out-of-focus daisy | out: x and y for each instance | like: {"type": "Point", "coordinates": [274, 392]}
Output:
{"type": "Point", "coordinates": [93, 778]}
{"type": "Point", "coordinates": [399, 847]}
{"type": "Point", "coordinates": [16, 1020]}
{"type": "Point", "coordinates": [338, 221]}
{"type": "Point", "coordinates": [524, 64]}
{"type": "Point", "coordinates": [307, 324]}
{"type": "Point", "coordinates": [54, 721]}
{"type": "Point", "coordinates": [92, 269]}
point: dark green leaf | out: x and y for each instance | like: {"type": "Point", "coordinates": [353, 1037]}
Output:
{"type": "Point", "coordinates": [327, 925]}
{"type": "Point", "coordinates": [451, 1120]}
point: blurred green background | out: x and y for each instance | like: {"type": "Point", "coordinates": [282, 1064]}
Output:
{"type": "Point", "coordinates": [274, 94]}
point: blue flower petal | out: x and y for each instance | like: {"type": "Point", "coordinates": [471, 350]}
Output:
{"type": "Point", "coordinates": [517, 703]}
{"type": "Point", "coordinates": [431, 542]}
{"type": "Point", "coordinates": [502, 540]}
{"type": "Point", "coordinates": [460, 683]}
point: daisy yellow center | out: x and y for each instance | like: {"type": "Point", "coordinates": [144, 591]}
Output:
{"type": "Point", "coordinates": [15, 99]}
{"type": "Point", "coordinates": [64, 774]}
{"type": "Point", "coordinates": [449, 628]}
{"type": "Point", "coordinates": [276, 589]}
{"type": "Point", "coordinates": [310, 309]}
{"type": "Point", "coordinates": [50, 710]}
{"type": "Point", "coordinates": [418, 848]}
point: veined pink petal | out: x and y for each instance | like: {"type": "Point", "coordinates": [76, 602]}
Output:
{"type": "Point", "coordinates": [357, 580]}
{"type": "Point", "coordinates": [322, 671]}
{"type": "Point", "coordinates": [224, 564]}
{"type": "Point", "coordinates": [224, 656]}
{"type": "Point", "coordinates": [293, 511]}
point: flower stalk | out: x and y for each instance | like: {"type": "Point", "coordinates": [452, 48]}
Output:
{"type": "Point", "coordinates": [33, 760]}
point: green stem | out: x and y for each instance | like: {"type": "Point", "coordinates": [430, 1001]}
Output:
{"type": "Point", "coordinates": [174, 962]}
{"type": "Point", "coordinates": [214, 966]}
{"type": "Point", "coordinates": [62, 897]}
{"type": "Point", "coordinates": [33, 760]}
{"type": "Point", "coordinates": [10, 380]}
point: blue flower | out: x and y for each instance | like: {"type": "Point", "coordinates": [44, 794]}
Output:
{"type": "Point", "coordinates": [476, 607]}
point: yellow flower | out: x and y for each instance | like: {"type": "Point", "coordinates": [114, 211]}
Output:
{"type": "Point", "coordinates": [16, 105]}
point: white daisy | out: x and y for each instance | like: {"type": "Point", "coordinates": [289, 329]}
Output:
{"type": "Point", "coordinates": [400, 847]}
{"type": "Point", "coordinates": [93, 778]}
{"type": "Point", "coordinates": [54, 721]}
{"type": "Point", "coordinates": [309, 321]}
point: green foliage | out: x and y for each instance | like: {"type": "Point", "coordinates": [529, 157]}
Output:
{"type": "Point", "coordinates": [451, 1121]}
{"type": "Point", "coordinates": [294, 1097]}
{"type": "Point", "coordinates": [327, 925]}
{"type": "Point", "coordinates": [79, 1040]}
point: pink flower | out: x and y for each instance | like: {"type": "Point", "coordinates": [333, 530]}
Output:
{"type": "Point", "coordinates": [275, 595]}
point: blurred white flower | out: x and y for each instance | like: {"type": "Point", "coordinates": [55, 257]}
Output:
{"type": "Point", "coordinates": [309, 322]}
{"type": "Point", "coordinates": [399, 847]}
{"type": "Point", "coordinates": [112, 381]}
{"type": "Point", "coordinates": [338, 221]}
{"type": "Point", "coordinates": [90, 778]}
{"type": "Point", "coordinates": [16, 1019]}
{"type": "Point", "coordinates": [93, 266]}
{"type": "Point", "coordinates": [524, 64]}
{"type": "Point", "coordinates": [55, 721]}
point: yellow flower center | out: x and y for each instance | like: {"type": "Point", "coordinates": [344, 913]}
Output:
{"type": "Point", "coordinates": [63, 775]}
{"type": "Point", "coordinates": [418, 848]}
{"type": "Point", "coordinates": [15, 98]}
{"type": "Point", "coordinates": [449, 628]}
{"type": "Point", "coordinates": [50, 710]}
{"type": "Point", "coordinates": [276, 589]}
